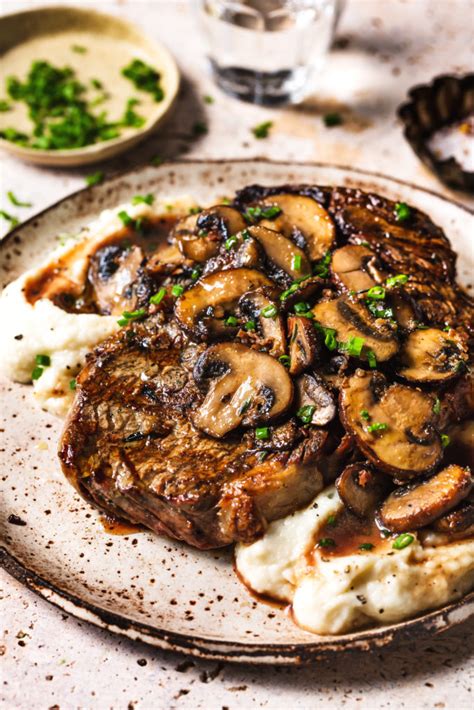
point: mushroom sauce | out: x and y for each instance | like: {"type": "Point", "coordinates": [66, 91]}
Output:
{"type": "Point", "coordinates": [313, 345]}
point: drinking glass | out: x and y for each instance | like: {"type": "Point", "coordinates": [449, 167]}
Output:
{"type": "Point", "coordinates": [267, 51]}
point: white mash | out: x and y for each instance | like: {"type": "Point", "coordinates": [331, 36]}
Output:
{"type": "Point", "coordinates": [339, 594]}
{"type": "Point", "coordinates": [46, 329]}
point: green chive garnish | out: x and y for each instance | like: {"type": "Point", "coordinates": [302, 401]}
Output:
{"type": "Point", "coordinates": [398, 280]}
{"type": "Point", "coordinates": [376, 293]}
{"type": "Point", "coordinates": [15, 201]}
{"type": "Point", "coordinates": [231, 242]}
{"type": "Point", "coordinates": [262, 130]}
{"type": "Point", "coordinates": [364, 414]}
{"type": "Point", "coordinates": [36, 373]}
{"type": "Point", "coordinates": [250, 325]}
{"type": "Point", "coordinates": [437, 406]}
{"type": "Point", "coordinates": [285, 360]}
{"type": "Point", "coordinates": [332, 119]}
{"type": "Point", "coordinates": [262, 433]}
{"type": "Point", "coordinates": [177, 290]}
{"type": "Point", "coordinates": [326, 542]}
{"type": "Point", "coordinates": [269, 311]}
{"type": "Point", "coordinates": [158, 297]}
{"type": "Point", "coordinates": [445, 440]}
{"type": "Point", "coordinates": [402, 212]}
{"type": "Point", "coordinates": [306, 413]}
{"type": "Point", "coordinates": [402, 541]}
{"type": "Point", "coordinates": [377, 426]}
{"type": "Point", "coordinates": [231, 321]}
{"type": "Point", "coordinates": [366, 546]}
{"type": "Point", "coordinates": [72, 384]}
{"type": "Point", "coordinates": [43, 360]}
{"type": "Point", "coordinates": [143, 199]}
{"type": "Point", "coordinates": [125, 218]}
{"type": "Point", "coordinates": [301, 307]}
{"type": "Point", "coordinates": [296, 262]}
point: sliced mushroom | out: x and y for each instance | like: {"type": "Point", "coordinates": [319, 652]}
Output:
{"type": "Point", "coordinates": [351, 267]}
{"type": "Point", "coordinates": [419, 505]}
{"type": "Point", "coordinates": [404, 309]}
{"type": "Point", "coordinates": [361, 489]}
{"type": "Point", "coordinates": [246, 388]}
{"type": "Point", "coordinates": [202, 308]}
{"type": "Point", "coordinates": [459, 520]}
{"type": "Point", "coordinates": [352, 319]}
{"type": "Point", "coordinates": [304, 344]}
{"type": "Point", "coordinates": [282, 252]}
{"type": "Point", "coordinates": [113, 274]}
{"type": "Point", "coordinates": [307, 217]}
{"type": "Point", "coordinates": [270, 332]}
{"type": "Point", "coordinates": [200, 236]}
{"type": "Point", "coordinates": [431, 355]}
{"type": "Point", "coordinates": [393, 424]}
{"type": "Point", "coordinates": [311, 392]}
{"type": "Point", "coordinates": [332, 464]}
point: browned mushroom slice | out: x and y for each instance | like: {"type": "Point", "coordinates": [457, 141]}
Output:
{"type": "Point", "coordinates": [245, 388]}
{"type": "Point", "coordinates": [352, 319]}
{"type": "Point", "coordinates": [430, 355]}
{"type": "Point", "coordinates": [282, 252]}
{"type": "Point", "coordinates": [459, 520]}
{"type": "Point", "coordinates": [200, 236]}
{"type": "Point", "coordinates": [393, 424]}
{"type": "Point", "coordinates": [404, 310]}
{"type": "Point", "coordinates": [113, 273]}
{"type": "Point", "coordinates": [307, 217]}
{"type": "Point", "coordinates": [201, 309]}
{"type": "Point", "coordinates": [419, 505]}
{"type": "Point", "coordinates": [304, 344]}
{"type": "Point", "coordinates": [269, 331]}
{"type": "Point", "coordinates": [351, 267]}
{"type": "Point", "coordinates": [315, 400]}
{"type": "Point", "coordinates": [361, 489]}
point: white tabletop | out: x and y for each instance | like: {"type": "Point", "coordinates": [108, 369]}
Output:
{"type": "Point", "coordinates": [50, 660]}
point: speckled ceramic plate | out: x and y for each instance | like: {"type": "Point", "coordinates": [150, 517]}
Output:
{"type": "Point", "coordinates": [141, 585]}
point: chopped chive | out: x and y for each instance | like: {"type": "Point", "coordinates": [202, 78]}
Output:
{"type": "Point", "coordinates": [195, 274]}
{"type": "Point", "coordinates": [445, 440]}
{"type": "Point", "coordinates": [125, 218]}
{"type": "Point", "coordinates": [10, 218]}
{"type": "Point", "coordinates": [5, 106]}
{"type": "Point", "coordinates": [158, 297]}
{"type": "Point", "coordinates": [296, 262]}
{"type": "Point", "coordinates": [285, 360]}
{"type": "Point", "coordinates": [262, 455]}
{"type": "Point", "coordinates": [231, 321]}
{"type": "Point", "coordinates": [376, 293]}
{"type": "Point", "coordinates": [402, 211]}
{"type": "Point", "coordinates": [144, 78]}
{"type": "Point", "coordinates": [254, 214]}
{"type": "Point", "coordinates": [371, 359]}
{"type": "Point", "coordinates": [231, 242]}
{"type": "Point", "coordinates": [332, 119]}
{"type": "Point", "coordinates": [306, 413]}
{"type": "Point", "coordinates": [437, 406]}
{"type": "Point", "coordinates": [143, 199]}
{"type": "Point", "coordinates": [354, 346]}
{"type": "Point", "coordinates": [250, 325]}
{"type": "Point", "coordinates": [208, 99]}
{"type": "Point", "coordinates": [366, 546]}
{"type": "Point", "coordinates": [36, 373]}
{"type": "Point", "coordinates": [72, 384]}
{"type": "Point", "coordinates": [364, 414]}
{"type": "Point", "coordinates": [326, 542]}
{"type": "Point", "coordinates": [262, 433]}
{"type": "Point", "coordinates": [269, 311]}
{"type": "Point", "coordinates": [398, 280]}
{"type": "Point", "coordinates": [78, 49]}
{"type": "Point", "coordinates": [129, 316]}
{"type": "Point", "coordinates": [321, 269]}
{"type": "Point", "coordinates": [177, 290]}
{"type": "Point", "coordinates": [94, 178]}
{"type": "Point", "coordinates": [43, 360]}
{"type": "Point", "coordinates": [15, 201]}
{"type": "Point", "coordinates": [262, 130]}
{"type": "Point", "coordinates": [156, 160]}
{"type": "Point", "coordinates": [289, 291]}
{"type": "Point", "coordinates": [402, 541]}
{"type": "Point", "coordinates": [377, 426]}
{"type": "Point", "coordinates": [246, 235]}
{"type": "Point", "coordinates": [96, 84]}
{"type": "Point", "coordinates": [301, 307]}
{"type": "Point", "coordinates": [195, 210]}
{"type": "Point", "coordinates": [331, 520]}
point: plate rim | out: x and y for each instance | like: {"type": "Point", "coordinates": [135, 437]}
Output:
{"type": "Point", "coordinates": [374, 638]}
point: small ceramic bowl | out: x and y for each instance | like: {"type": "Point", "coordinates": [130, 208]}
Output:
{"type": "Point", "coordinates": [96, 46]}
{"type": "Point", "coordinates": [446, 101]}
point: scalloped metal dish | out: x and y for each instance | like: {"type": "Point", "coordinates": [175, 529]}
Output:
{"type": "Point", "coordinates": [140, 585]}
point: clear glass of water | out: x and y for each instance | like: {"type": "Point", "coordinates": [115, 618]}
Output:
{"type": "Point", "coordinates": [267, 51]}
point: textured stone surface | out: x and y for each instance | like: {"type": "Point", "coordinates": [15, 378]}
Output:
{"type": "Point", "coordinates": [51, 660]}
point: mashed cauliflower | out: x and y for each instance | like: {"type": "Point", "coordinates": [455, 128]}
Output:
{"type": "Point", "coordinates": [43, 328]}
{"type": "Point", "coordinates": [337, 594]}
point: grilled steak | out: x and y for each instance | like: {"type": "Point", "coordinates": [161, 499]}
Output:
{"type": "Point", "coordinates": [215, 411]}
